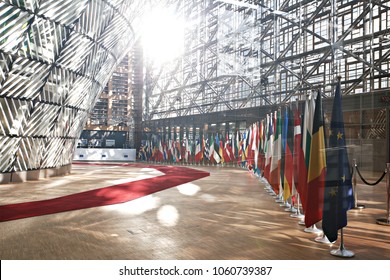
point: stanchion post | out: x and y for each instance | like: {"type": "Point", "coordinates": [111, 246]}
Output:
{"type": "Point", "coordinates": [354, 182]}
{"type": "Point", "coordinates": [388, 192]}
{"type": "Point", "coordinates": [386, 221]}
{"type": "Point", "coordinates": [354, 185]}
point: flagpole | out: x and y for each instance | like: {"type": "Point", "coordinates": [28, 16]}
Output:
{"type": "Point", "coordinates": [341, 251]}
{"type": "Point", "coordinates": [297, 214]}
{"type": "Point", "coordinates": [289, 206]}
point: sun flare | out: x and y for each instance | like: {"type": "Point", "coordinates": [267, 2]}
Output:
{"type": "Point", "coordinates": [162, 35]}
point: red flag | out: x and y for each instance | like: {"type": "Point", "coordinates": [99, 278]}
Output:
{"type": "Point", "coordinates": [227, 152]}
{"type": "Point", "coordinates": [198, 151]}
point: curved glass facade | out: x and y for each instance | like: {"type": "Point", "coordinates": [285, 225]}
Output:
{"type": "Point", "coordinates": [56, 56]}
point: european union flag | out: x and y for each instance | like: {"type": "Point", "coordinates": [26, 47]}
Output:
{"type": "Point", "coordinates": [338, 196]}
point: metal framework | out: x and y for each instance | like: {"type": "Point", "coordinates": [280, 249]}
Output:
{"type": "Point", "coordinates": [55, 58]}
{"type": "Point", "coordinates": [249, 53]}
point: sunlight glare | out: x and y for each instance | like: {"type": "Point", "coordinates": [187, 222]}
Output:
{"type": "Point", "coordinates": [162, 35]}
{"type": "Point", "coordinates": [136, 206]}
{"type": "Point", "coordinates": [168, 215]}
{"type": "Point", "coordinates": [188, 189]}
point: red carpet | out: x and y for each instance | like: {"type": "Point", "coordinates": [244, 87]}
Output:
{"type": "Point", "coordinates": [173, 176]}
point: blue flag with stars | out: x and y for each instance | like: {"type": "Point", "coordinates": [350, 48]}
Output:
{"type": "Point", "coordinates": [338, 196]}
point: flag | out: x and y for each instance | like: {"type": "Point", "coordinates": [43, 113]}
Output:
{"type": "Point", "coordinates": [260, 160]}
{"type": "Point", "coordinates": [211, 151]}
{"type": "Point", "coordinates": [234, 146]}
{"type": "Point", "coordinates": [250, 151]}
{"type": "Point", "coordinates": [227, 151]}
{"type": "Point", "coordinates": [174, 151]}
{"type": "Point", "coordinates": [255, 146]}
{"type": "Point", "coordinates": [242, 148]}
{"type": "Point", "coordinates": [160, 151]}
{"type": "Point", "coordinates": [165, 155]}
{"type": "Point", "coordinates": [299, 157]}
{"type": "Point", "coordinates": [206, 148]}
{"type": "Point", "coordinates": [288, 157]}
{"type": "Point", "coordinates": [264, 136]}
{"type": "Point", "coordinates": [248, 143]}
{"type": "Point", "coordinates": [317, 168]}
{"type": "Point", "coordinates": [198, 151]}
{"type": "Point", "coordinates": [182, 149]}
{"type": "Point", "coordinates": [148, 150]}
{"type": "Point", "coordinates": [338, 196]}
{"type": "Point", "coordinates": [307, 127]}
{"type": "Point", "coordinates": [187, 150]}
{"type": "Point", "coordinates": [220, 147]}
{"type": "Point", "coordinates": [276, 155]}
{"type": "Point", "coordinates": [282, 156]}
{"type": "Point", "coordinates": [269, 147]}
{"type": "Point", "coordinates": [169, 150]}
{"type": "Point", "coordinates": [216, 155]}
{"type": "Point", "coordinates": [142, 152]}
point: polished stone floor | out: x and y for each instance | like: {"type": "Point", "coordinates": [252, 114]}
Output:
{"type": "Point", "coordinates": [226, 216]}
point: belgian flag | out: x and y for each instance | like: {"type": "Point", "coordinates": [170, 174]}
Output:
{"type": "Point", "coordinates": [317, 168]}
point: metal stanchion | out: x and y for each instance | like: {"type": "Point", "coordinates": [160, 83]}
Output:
{"type": "Point", "coordinates": [354, 186]}
{"type": "Point", "coordinates": [386, 221]}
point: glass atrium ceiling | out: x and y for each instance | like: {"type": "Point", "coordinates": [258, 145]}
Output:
{"type": "Point", "coordinates": [241, 54]}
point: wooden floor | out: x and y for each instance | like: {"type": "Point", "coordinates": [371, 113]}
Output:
{"type": "Point", "coordinates": [226, 216]}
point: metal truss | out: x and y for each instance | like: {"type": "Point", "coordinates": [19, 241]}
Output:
{"type": "Point", "coordinates": [241, 54]}
{"type": "Point", "coordinates": [55, 58]}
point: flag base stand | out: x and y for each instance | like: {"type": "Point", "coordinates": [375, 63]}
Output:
{"type": "Point", "coordinates": [342, 253]}
{"type": "Point", "coordinates": [359, 206]}
{"type": "Point", "coordinates": [384, 222]}
{"type": "Point", "coordinates": [272, 194]}
{"type": "Point", "coordinates": [323, 239]}
{"type": "Point", "coordinates": [297, 215]}
{"type": "Point", "coordinates": [285, 204]}
{"type": "Point", "coordinates": [312, 229]}
{"type": "Point", "coordinates": [279, 200]}
{"type": "Point", "coordinates": [291, 209]}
